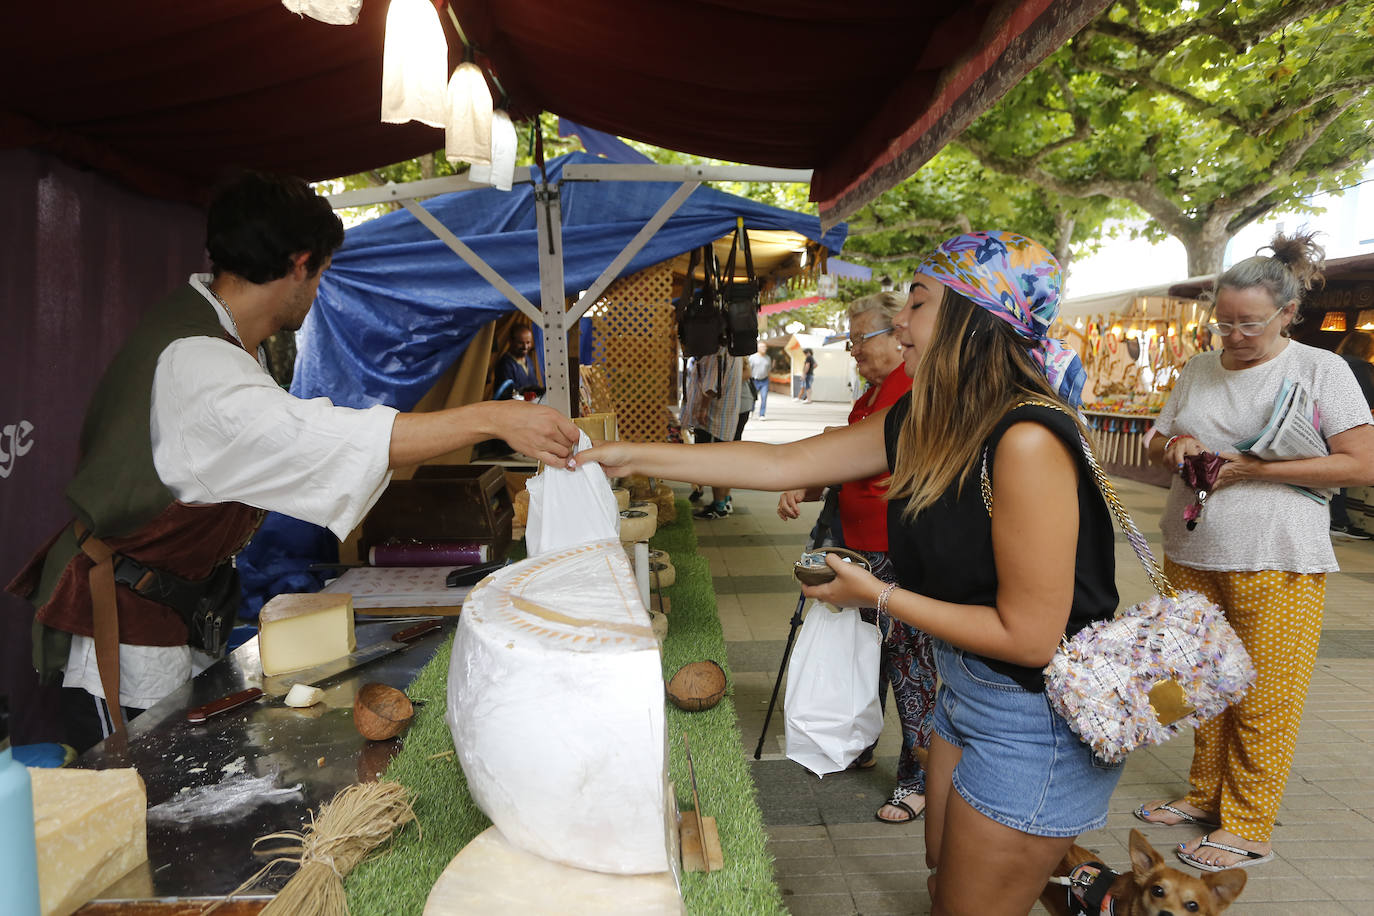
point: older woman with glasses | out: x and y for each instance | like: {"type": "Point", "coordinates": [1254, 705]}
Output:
{"type": "Point", "coordinates": [1261, 551]}
{"type": "Point", "coordinates": [907, 663]}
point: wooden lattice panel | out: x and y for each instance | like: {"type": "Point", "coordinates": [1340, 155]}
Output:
{"type": "Point", "coordinates": [636, 345]}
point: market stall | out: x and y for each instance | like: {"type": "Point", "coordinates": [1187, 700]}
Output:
{"type": "Point", "coordinates": [1133, 355]}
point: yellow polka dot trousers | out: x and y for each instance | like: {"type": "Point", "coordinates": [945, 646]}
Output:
{"type": "Point", "coordinates": [1242, 758]}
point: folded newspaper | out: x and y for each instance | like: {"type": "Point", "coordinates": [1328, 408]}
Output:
{"type": "Point", "coordinates": [1293, 431]}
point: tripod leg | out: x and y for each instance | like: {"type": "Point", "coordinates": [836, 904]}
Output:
{"type": "Point", "coordinates": [786, 654]}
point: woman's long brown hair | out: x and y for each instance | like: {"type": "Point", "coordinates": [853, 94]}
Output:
{"type": "Point", "coordinates": [974, 370]}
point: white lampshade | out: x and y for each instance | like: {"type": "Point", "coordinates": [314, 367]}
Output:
{"type": "Point", "coordinates": [500, 174]}
{"type": "Point", "coordinates": [334, 12]}
{"type": "Point", "coordinates": [467, 131]}
{"type": "Point", "coordinates": [414, 64]}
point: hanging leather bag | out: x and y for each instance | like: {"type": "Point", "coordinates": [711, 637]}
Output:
{"type": "Point", "coordinates": [700, 324]}
{"type": "Point", "coordinates": [740, 299]}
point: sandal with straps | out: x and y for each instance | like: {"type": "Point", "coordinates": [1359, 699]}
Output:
{"type": "Point", "coordinates": [897, 800]}
{"type": "Point", "coordinates": [1184, 818]}
{"type": "Point", "coordinates": [1248, 857]}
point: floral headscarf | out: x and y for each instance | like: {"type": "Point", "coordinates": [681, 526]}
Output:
{"type": "Point", "coordinates": [1018, 280]}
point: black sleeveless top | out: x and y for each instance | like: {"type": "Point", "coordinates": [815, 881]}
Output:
{"type": "Point", "coordinates": [945, 553]}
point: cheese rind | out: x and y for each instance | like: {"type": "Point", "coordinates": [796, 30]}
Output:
{"type": "Point", "coordinates": [555, 701]}
{"type": "Point", "coordinates": [300, 631]}
{"type": "Point", "coordinates": [91, 827]}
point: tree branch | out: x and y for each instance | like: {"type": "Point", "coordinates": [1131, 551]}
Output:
{"type": "Point", "coordinates": [1145, 195]}
{"type": "Point", "coordinates": [920, 223]}
{"type": "Point", "coordinates": [1240, 36]}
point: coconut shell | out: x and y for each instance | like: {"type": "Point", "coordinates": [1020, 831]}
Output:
{"type": "Point", "coordinates": [380, 711]}
{"type": "Point", "coordinates": [697, 686]}
{"type": "Point", "coordinates": [819, 575]}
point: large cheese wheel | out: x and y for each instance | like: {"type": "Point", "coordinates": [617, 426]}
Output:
{"type": "Point", "coordinates": [557, 714]}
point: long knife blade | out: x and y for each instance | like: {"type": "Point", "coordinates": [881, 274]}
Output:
{"type": "Point", "coordinates": [279, 685]}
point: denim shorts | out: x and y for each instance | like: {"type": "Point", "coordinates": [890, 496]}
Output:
{"type": "Point", "coordinates": [1022, 766]}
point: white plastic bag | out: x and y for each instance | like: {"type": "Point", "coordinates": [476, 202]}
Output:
{"type": "Point", "coordinates": [570, 507]}
{"type": "Point", "coordinates": [831, 708]}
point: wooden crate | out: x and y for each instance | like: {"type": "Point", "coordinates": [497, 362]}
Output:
{"type": "Point", "coordinates": [444, 502]}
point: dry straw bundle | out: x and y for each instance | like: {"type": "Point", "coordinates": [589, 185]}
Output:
{"type": "Point", "coordinates": [359, 819]}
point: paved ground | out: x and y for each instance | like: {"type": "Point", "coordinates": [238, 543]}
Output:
{"type": "Point", "coordinates": [833, 858]}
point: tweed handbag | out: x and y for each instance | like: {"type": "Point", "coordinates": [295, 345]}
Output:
{"type": "Point", "coordinates": [1168, 663]}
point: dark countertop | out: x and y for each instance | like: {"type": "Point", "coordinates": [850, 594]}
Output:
{"type": "Point", "coordinates": [248, 772]}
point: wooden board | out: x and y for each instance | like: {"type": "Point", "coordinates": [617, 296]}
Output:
{"type": "Point", "coordinates": [693, 836]}
{"type": "Point", "coordinates": [489, 875]}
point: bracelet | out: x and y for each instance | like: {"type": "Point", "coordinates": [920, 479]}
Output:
{"type": "Point", "coordinates": [1168, 443]}
{"type": "Point", "coordinates": [884, 595]}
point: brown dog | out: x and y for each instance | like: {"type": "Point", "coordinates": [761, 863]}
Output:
{"type": "Point", "coordinates": [1150, 888]}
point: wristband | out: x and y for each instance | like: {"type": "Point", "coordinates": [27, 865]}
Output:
{"type": "Point", "coordinates": [884, 595]}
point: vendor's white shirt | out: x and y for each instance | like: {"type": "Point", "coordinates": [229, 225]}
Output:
{"type": "Point", "coordinates": [1254, 525]}
{"type": "Point", "coordinates": [223, 430]}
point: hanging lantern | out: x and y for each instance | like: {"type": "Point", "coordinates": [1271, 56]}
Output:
{"type": "Point", "coordinates": [334, 12]}
{"type": "Point", "coordinates": [500, 174]}
{"type": "Point", "coordinates": [414, 64]}
{"type": "Point", "coordinates": [468, 116]}
{"type": "Point", "coordinates": [1333, 321]}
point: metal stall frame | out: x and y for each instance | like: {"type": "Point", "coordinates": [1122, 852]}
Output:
{"type": "Point", "coordinates": [552, 317]}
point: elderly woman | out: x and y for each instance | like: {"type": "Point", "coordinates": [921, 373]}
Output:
{"type": "Point", "coordinates": [907, 663]}
{"type": "Point", "coordinates": [996, 584]}
{"type": "Point", "coordinates": [1261, 549]}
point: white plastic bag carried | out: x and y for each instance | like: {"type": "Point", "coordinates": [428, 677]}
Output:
{"type": "Point", "coordinates": [570, 507]}
{"type": "Point", "coordinates": [831, 708]}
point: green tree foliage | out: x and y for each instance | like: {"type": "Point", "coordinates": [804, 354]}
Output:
{"type": "Point", "coordinates": [1205, 114]}
{"type": "Point", "coordinates": [955, 193]}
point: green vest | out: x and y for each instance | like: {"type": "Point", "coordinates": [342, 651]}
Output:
{"type": "Point", "coordinates": [116, 490]}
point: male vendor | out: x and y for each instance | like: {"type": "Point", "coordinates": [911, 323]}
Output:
{"type": "Point", "coordinates": [188, 440]}
{"type": "Point", "coordinates": [519, 366]}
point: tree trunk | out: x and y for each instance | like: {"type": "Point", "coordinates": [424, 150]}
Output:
{"type": "Point", "coordinates": [1206, 248]}
{"type": "Point", "coordinates": [1063, 243]}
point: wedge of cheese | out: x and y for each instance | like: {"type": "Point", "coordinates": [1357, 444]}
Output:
{"type": "Point", "coordinates": [300, 631]}
{"type": "Point", "coordinates": [92, 829]}
{"type": "Point", "coordinates": [555, 701]}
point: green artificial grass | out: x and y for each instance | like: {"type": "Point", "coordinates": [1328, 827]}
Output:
{"type": "Point", "coordinates": [398, 879]}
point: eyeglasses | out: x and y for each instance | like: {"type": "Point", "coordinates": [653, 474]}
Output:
{"type": "Point", "coordinates": [1247, 328]}
{"type": "Point", "coordinates": [857, 343]}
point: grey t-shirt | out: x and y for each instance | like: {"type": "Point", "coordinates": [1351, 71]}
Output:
{"type": "Point", "coordinates": [759, 366]}
{"type": "Point", "coordinates": [1254, 525]}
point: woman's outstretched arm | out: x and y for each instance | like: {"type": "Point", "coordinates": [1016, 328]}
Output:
{"type": "Point", "coordinates": [835, 456]}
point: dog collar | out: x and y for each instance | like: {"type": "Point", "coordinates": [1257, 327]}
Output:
{"type": "Point", "coordinates": [1088, 890]}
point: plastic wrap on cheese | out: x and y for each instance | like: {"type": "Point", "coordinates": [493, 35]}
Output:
{"type": "Point", "coordinates": [555, 701]}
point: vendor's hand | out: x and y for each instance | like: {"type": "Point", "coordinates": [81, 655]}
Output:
{"type": "Point", "coordinates": [1184, 445]}
{"type": "Point", "coordinates": [853, 586]}
{"type": "Point", "coordinates": [615, 458]}
{"type": "Point", "coordinates": [789, 504]}
{"type": "Point", "coordinates": [538, 431]}
{"type": "Point", "coordinates": [1238, 467]}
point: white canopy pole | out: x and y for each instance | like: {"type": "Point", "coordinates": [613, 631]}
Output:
{"type": "Point", "coordinates": [473, 259]}
{"type": "Point", "coordinates": [608, 276]}
{"type": "Point", "coordinates": [548, 218]}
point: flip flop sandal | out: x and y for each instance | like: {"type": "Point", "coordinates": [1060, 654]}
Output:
{"type": "Point", "coordinates": [896, 801]}
{"type": "Point", "coordinates": [1184, 818]}
{"type": "Point", "coordinates": [1248, 856]}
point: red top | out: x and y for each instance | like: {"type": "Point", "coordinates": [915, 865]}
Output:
{"type": "Point", "coordinates": [863, 511]}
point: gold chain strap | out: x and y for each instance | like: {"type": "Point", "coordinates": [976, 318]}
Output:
{"type": "Point", "coordinates": [1104, 486]}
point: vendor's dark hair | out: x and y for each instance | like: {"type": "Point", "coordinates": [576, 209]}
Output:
{"type": "Point", "coordinates": [257, 222]}
{"type": "Point", "coordinates": [1294, 267]}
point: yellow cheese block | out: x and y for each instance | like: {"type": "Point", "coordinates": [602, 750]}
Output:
{"type": "Point", "coordinates": [92, 829]}
{"type": "Point", "coordinates": [300, 631]}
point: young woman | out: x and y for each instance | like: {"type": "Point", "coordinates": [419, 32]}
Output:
{"type": "Point", "coordinates": [996, 582]}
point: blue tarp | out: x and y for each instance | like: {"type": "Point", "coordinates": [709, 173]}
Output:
{"type": "Point", "coordinates": [397, 307]}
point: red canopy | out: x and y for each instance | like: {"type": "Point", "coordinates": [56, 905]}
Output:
{"type": "Point", "coordinates": [790, 304]}
{"type": "Point", "coordinates": [166, 94]}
